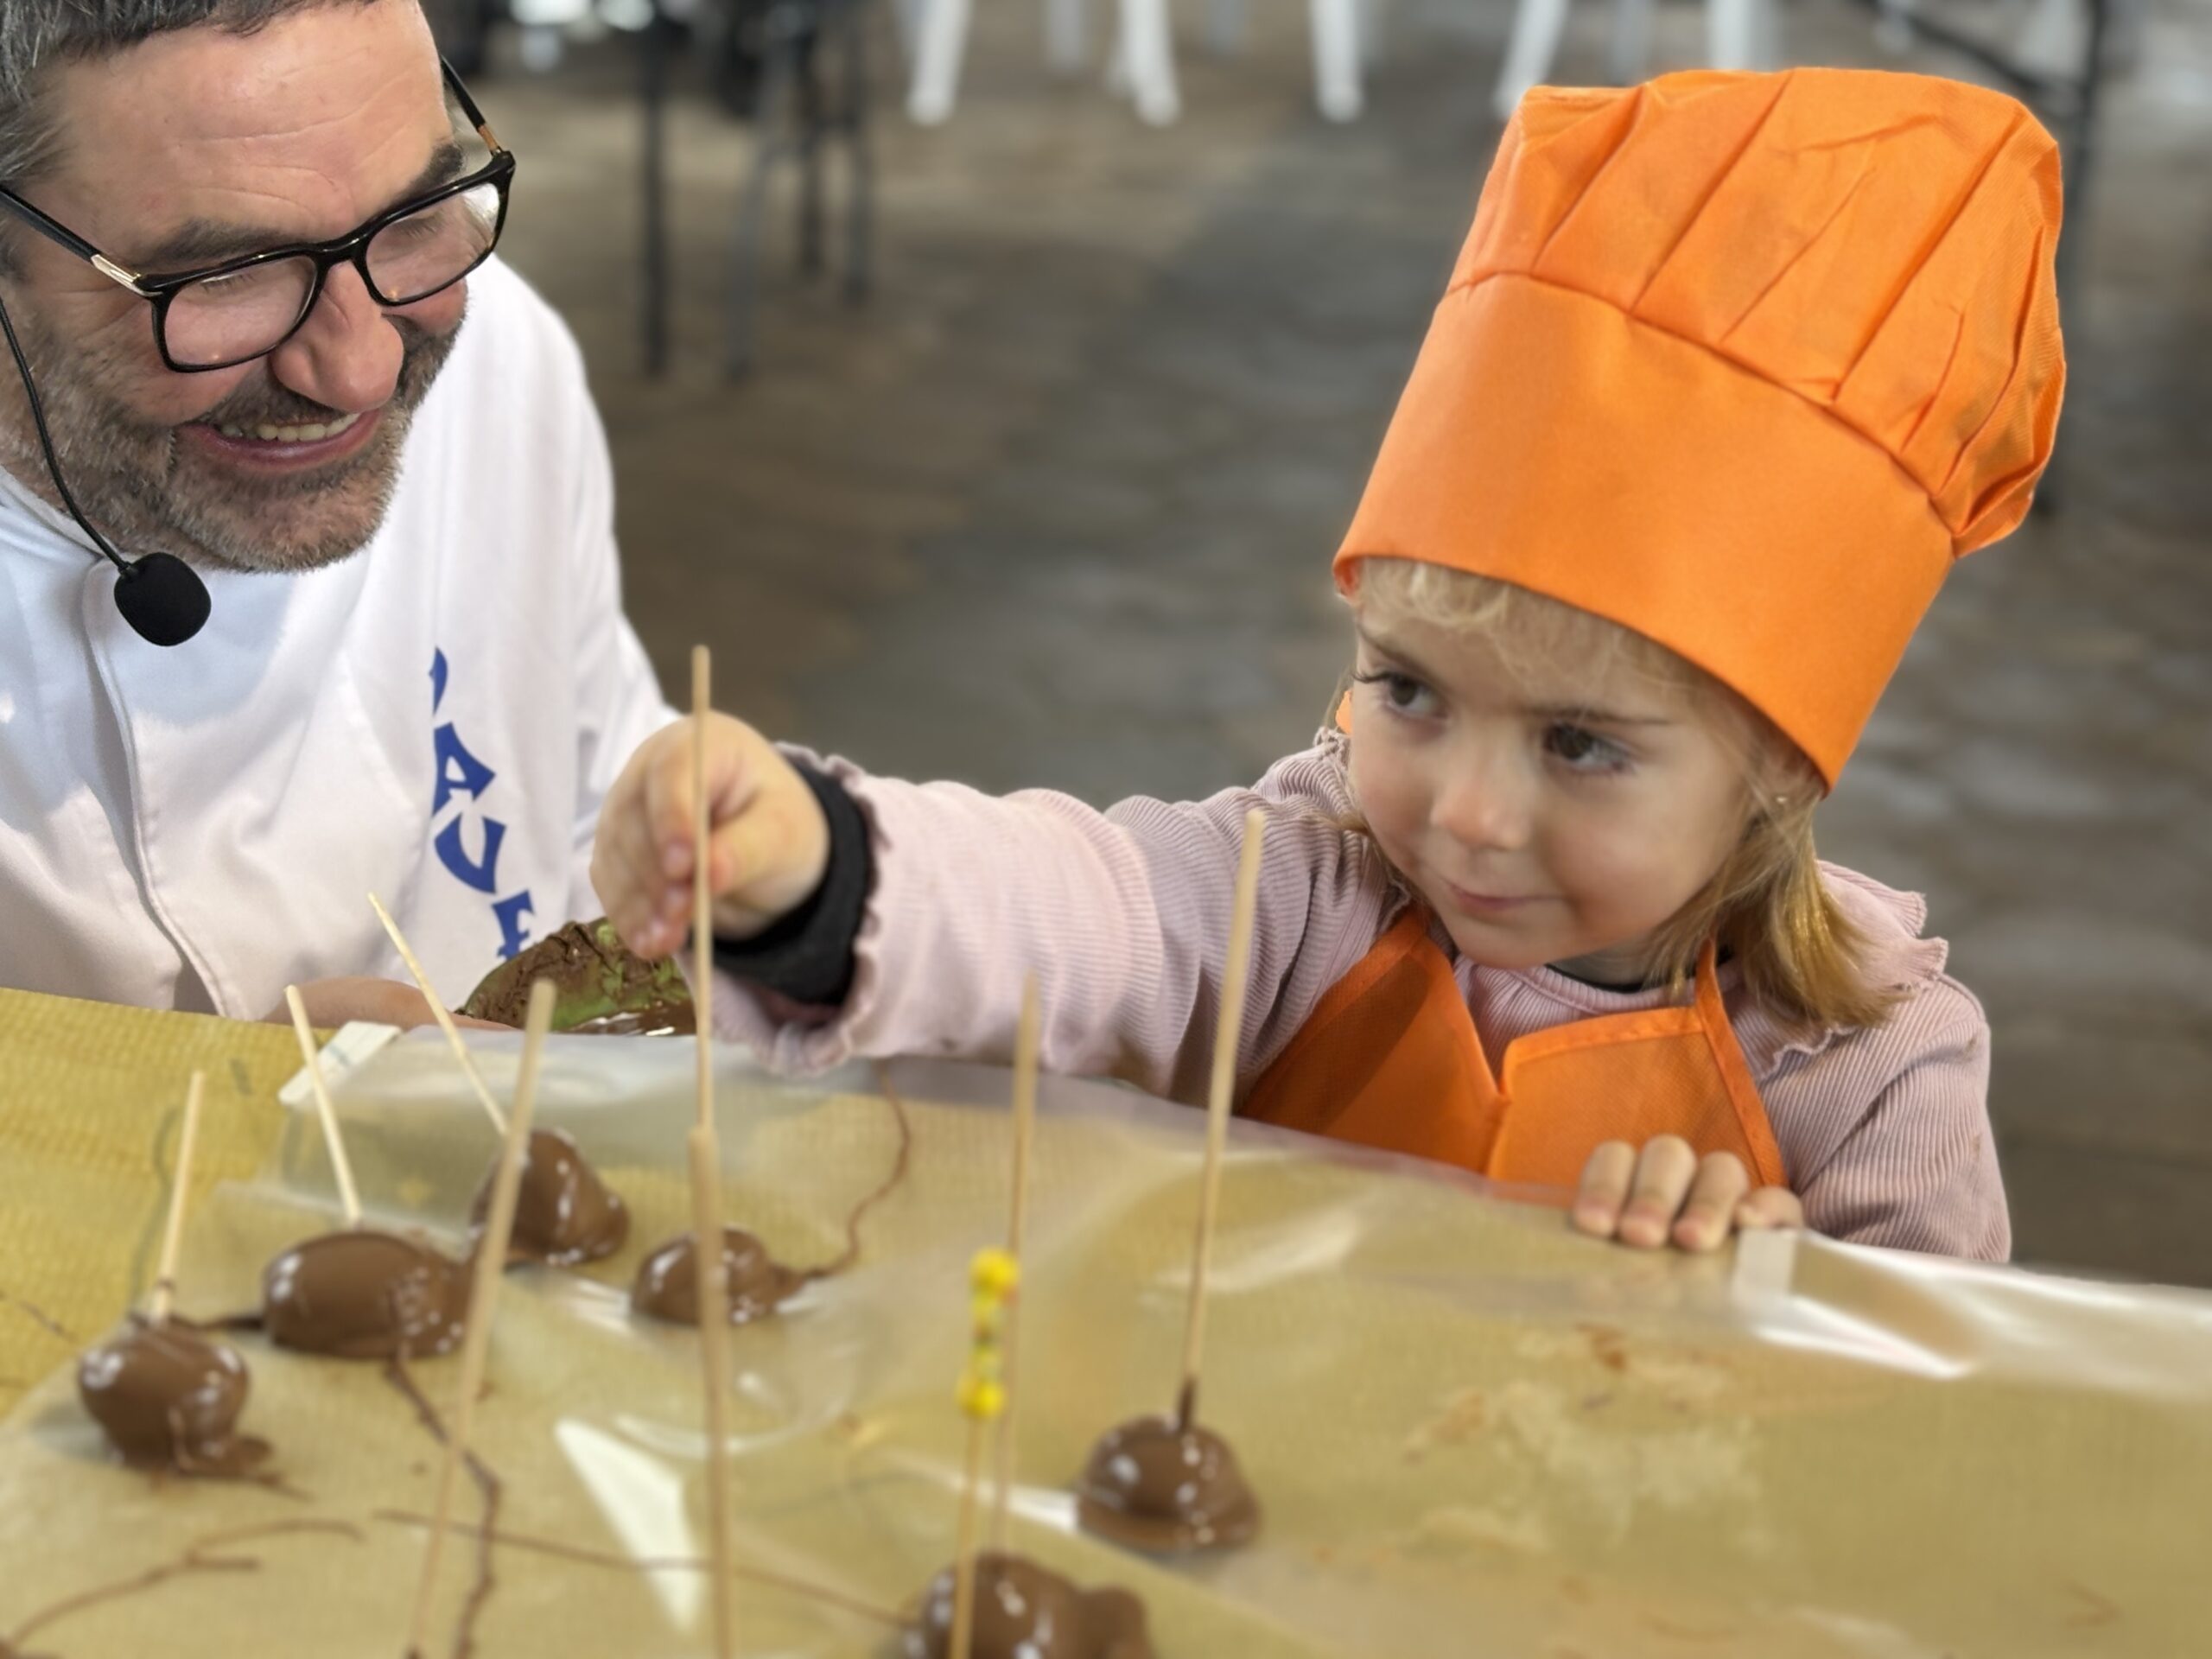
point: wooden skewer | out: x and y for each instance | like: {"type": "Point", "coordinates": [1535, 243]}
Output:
{"type": "Point", "coordinates": [348, 1196]}
{"type": "Point", "coordinates": [994, 1283]}
{"type": "Point", "coordinates": [1226, 1043]}
{"type": "Point", "coordinates": [702, 896]}
{"type": "Point", "coordinates": [476, 1341]}
{"type": "Point", "coordinates": [713, 1358]}
{"type": "Point", "coordinates": [1028, 1040]}
{"type": "Point", "coordinates": [707, 1174]}
{"type": "Point", "coordinates": [964, 1571]}
{"type": "Point", "coordinates": [173, 1236]}
{"type": "Point", "coordinates": [445, 1019]}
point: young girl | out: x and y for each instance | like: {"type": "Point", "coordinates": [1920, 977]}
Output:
{"type": "Point", "coordinates": [1730, 369]}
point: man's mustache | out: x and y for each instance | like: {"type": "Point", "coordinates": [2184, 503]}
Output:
{"type": "Point", "coordinates": [268, 404]}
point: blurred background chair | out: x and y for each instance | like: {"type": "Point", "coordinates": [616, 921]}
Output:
{"type": "Point", "coordinates": [1739, 35]}
{"type": "Point", "coordinates": [1143, 26]}
{"type": "Point", "coordinates": [1141, 61]}
{"type": "Point", "coordinates": [796, 71]}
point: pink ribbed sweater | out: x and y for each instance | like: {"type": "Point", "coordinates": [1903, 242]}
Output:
{"type": "Point", "coordinates": [1885, 1132]}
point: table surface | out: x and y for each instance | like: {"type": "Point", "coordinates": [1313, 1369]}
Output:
{"type": "Point", "coordinates": [1470, 1431]}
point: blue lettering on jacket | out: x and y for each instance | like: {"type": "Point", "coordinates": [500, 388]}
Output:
{"type": "Point", "coordinates": [461, 777]}
{"type": "Point", "coordinates": [513, 934]}
{"type": "Point", "coordinates": [459, 772]}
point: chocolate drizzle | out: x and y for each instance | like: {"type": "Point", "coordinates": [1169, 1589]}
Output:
{"type": "Point", "coordinates": [39, 1317]}
{"type": "Point", "coordinates": [586, 1556]}
{"type": "Point", "coordinates": [564, 1214]}
{"type": "Point", "coordinates": [170, 1398]}
{"type": "Point", "coordinates": [198, 1557]}
{"type": "Point", "coordinates": [364, 1295]}
{"type": "Point", "coordinates": [1166, 1486]}
{"type": "Point", "coordinates": [487, 1486]}
{"type": "Point", "coordinates": [1025, 1611]}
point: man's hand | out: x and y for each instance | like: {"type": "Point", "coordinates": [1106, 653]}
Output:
{"type": "Point", "coordinates": [1666, 1194]}
{"type": "Point", "coordinates": [334, 1002]}
{"type": "Point", "coordinates": [768, 842]}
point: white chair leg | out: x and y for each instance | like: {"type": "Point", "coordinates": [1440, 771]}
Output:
{"type": "Point", "coordinates": [1117, 58]}
{"type": "Point", "coordinates": [1374, 33]}
{"type": "Point", "coordinates": [1893, 30]}
{"type": "Point", "coordinates": [1150, 62]}
{"type": "Point", "coordinates": [1766, 35]}
{"type": "Point", "coordinates": [1731, 34]}
{"type": "Point", "coordinates": [1225, 27]}
{"type": "Point", "coordinates": [1066, 36]}
{"type": "Point", "coordinates": [1336, 58]}
{"type": "Point", "coordinates": [906, 24]}
{"type": "Point", "coordinates": [2055, 39]}
{"type": "Point", "coordinates": [1537, 26]}
{"type": "Point", "coordinates": [1631, 52]}
{"type": "Point", "coordinates": [936, 64]}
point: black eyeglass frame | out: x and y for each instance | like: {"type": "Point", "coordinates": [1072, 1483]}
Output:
{"type": "Point", "coordinates": [352, 249]}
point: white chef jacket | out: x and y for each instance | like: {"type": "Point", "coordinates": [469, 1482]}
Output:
{"type": "Point", "coordinates": [435, 719]}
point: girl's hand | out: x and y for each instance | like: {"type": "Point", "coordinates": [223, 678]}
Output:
{"type": "Point", "coordinates": [768, 840]}
{"type": "Point", "coordinates": [1666, 1194]}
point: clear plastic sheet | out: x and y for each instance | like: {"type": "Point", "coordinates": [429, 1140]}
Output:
{"type": "Point", "coordinates": [1471, 1433]}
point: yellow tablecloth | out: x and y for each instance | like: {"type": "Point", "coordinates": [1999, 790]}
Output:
{"type": "Point", "coordinates": [1473, 1433]}
{"type": "Point", "coordinates": [90, 1099]}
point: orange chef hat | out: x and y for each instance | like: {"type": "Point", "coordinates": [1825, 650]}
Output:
{"type": "Point", "coordinates": [1741, 362]}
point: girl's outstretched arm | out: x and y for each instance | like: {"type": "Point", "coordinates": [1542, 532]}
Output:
{"type": "Point", "coordinates": [1123, 914]}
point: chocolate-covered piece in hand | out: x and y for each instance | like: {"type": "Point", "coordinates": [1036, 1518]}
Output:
{"type": "Point", "coordinates": [604, 986]}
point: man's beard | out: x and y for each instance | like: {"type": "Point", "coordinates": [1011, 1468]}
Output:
{"type": "Point", "coordinates": [150, 494]}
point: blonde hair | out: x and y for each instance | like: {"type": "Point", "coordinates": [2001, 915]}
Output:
{"type": "Point", "coordinates": [1766, 906]}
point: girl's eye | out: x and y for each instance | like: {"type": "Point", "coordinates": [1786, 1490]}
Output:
{"type": "Point", "coordinates": [1583, 750]}
{"type": "Point", "coordinates": [1402, 691]}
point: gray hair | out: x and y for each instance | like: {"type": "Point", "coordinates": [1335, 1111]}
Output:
{"type": "Point", "coordinates": [37, 35]}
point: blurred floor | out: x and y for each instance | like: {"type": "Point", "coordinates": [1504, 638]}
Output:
{"type": "Point", "coordinates": [1057, 508]}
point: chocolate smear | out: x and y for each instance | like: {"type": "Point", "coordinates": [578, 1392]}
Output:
{"type": "Point", "coordinates": [667, 1286]}
{"type": "Point", "coordinates": [1166, 1487]}
{"type": "Point", "coordinates": [603, 986]}
{"type": "Point", "coordinates": [564, 1214]}
{"type": "Point", "coordinates": [170, 1398]}
{"type": "Point", "coordinates": [364, 1295]}
{"type": "Point", "coordinates": [1027, 1612]}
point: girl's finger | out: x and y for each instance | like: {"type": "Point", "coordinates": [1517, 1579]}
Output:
{"type": "Point", "coordinates": [626, 872]}
{"type": "Point", "coordinates": [1597, 1201]}
{"type": "Point", "coordinates": [668, 802]}
{"type": "Point", "coordinates": [1663, 1172]}
{"type": "Point", "coordinates": [1769, 1207]}
{"type": "Point", "coordinates": [1721, 1183]}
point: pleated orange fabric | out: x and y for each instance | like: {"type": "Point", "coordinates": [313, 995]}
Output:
{"type": "Point", "coordinates": [1390, 1059]}
{"type": "Point", "coordinates": [1742, 362]}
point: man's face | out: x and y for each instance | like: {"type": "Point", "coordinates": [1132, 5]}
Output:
{"type": "Point", "coordinates": [186, 149]}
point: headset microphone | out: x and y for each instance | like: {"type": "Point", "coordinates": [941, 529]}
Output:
{"type": "Point", "coordinates": [160, 596]}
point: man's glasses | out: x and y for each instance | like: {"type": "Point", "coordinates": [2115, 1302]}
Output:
{"type": "Point", "coordinates": [243, 309]}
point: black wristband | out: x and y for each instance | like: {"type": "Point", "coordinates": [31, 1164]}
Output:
{"type": "Point", "coordinates": [807, 955]}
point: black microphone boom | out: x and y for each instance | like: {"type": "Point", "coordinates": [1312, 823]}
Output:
{"type": "Point", "coordinates": [160, 596]}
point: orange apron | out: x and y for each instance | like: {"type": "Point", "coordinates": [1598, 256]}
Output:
{"type": "Point", "coordinates": [1390, 1058]}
